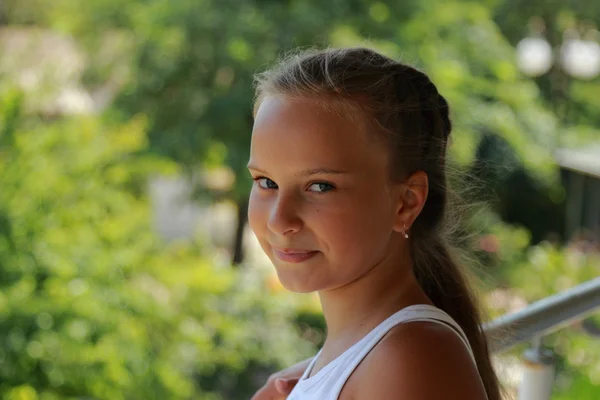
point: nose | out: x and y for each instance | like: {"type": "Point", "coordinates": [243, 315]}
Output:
{"type": "Point", "coordinates": [284, 217]}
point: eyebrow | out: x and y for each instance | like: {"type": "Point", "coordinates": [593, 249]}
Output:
{"type": "Point", "coordinates": [309, 172]}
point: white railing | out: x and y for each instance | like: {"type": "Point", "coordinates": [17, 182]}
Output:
{"type": "Point", "coordinates": [532, 324]}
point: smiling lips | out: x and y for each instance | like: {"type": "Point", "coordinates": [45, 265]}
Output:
{"type": "Point", "coordinates": [294, 255]}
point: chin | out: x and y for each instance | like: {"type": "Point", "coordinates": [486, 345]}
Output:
{"type": "Point", "coordinates": [301, 290]}
{"type": "Point", "coordinates": [294, 285]}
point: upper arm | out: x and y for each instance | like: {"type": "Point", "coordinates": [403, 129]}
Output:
{"type": "Point", "coordinates": [419, 361]}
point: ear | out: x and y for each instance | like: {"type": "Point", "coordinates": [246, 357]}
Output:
{"type": "Point", "coordinates": [412, 196]}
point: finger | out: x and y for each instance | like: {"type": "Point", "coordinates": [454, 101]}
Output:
{"type": "Point", "coordinates": [285, 386]}
{"type": "Point", "coordinates": [281, 385]}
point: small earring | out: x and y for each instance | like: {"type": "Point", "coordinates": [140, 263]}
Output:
{"type": "Point", "coordinates": [404, 232]}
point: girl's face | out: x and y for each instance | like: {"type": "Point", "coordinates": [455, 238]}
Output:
{"type": "Point", "coordinates": [321, 206]}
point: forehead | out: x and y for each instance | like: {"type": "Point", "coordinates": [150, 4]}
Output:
{"type": "Point", "coordinates": [303, 130]}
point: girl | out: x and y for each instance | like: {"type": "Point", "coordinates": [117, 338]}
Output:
{"type": "Point", "coordinates": [348, 157]}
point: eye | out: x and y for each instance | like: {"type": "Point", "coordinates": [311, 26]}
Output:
{"type": "Point", "coordinates": [265, 183]}
{"type": "Point", "coordinates": [321, 187]}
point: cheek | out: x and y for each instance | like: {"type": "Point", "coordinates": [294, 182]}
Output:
{"type": "Point", "coordinates": [257, 213]}
{"type": "Point", "coordinates": [360, 235]}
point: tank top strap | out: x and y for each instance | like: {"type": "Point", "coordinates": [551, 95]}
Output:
{"type": "Point", "coordinates": [414, 313]}
{"type": "Point", "coordinates": [311, 365]}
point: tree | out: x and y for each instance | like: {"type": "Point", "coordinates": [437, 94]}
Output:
{"type": "Point", "coordinates": [92, 304]}
{"type": "Point", "coordinates": [574, 100]}
{"type": "Point", "coordinates": [191, 64]}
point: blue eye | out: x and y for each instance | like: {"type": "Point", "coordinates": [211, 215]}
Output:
{"type": "Point", "coordinates": [266, 183]}
{"type": "Point", "coordinates": [321, 187]}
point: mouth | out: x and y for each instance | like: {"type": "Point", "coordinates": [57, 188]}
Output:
{"type": "Point", "coordinates": [294, 255]}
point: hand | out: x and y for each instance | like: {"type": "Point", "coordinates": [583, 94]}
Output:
{"type": "Point", "coordinates": [280, 384]}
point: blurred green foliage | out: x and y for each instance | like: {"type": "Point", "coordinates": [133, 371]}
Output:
{"type": "Point", "coordinates": [545, 270]}
{"type": "Point", "coordinates": [558, 16]}
{"type": "Point", "coordinates": [188, 66]}
{"type": "Point", "coordinates": [92, 304]}
{"type": "Point", "coordinates": [517, 273]}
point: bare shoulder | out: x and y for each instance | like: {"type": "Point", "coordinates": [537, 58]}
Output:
{"type": "Point", "coordinates": [420, 361]}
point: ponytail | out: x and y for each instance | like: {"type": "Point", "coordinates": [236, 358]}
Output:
{"type": "Point", "coordinates": [442, 279]}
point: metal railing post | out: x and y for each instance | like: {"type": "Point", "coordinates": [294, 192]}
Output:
{"type": "Point", "coordinates": [538, 373]}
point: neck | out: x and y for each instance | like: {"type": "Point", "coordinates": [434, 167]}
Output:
{"type": "Point", "coordinates": [354, 309]}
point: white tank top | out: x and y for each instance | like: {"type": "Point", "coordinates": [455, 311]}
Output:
{"type": "Point", "coordinates": [328, 382]}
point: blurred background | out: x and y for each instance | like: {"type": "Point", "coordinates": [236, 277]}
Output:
{"type": "Point", "coordinates": [127, 270]}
